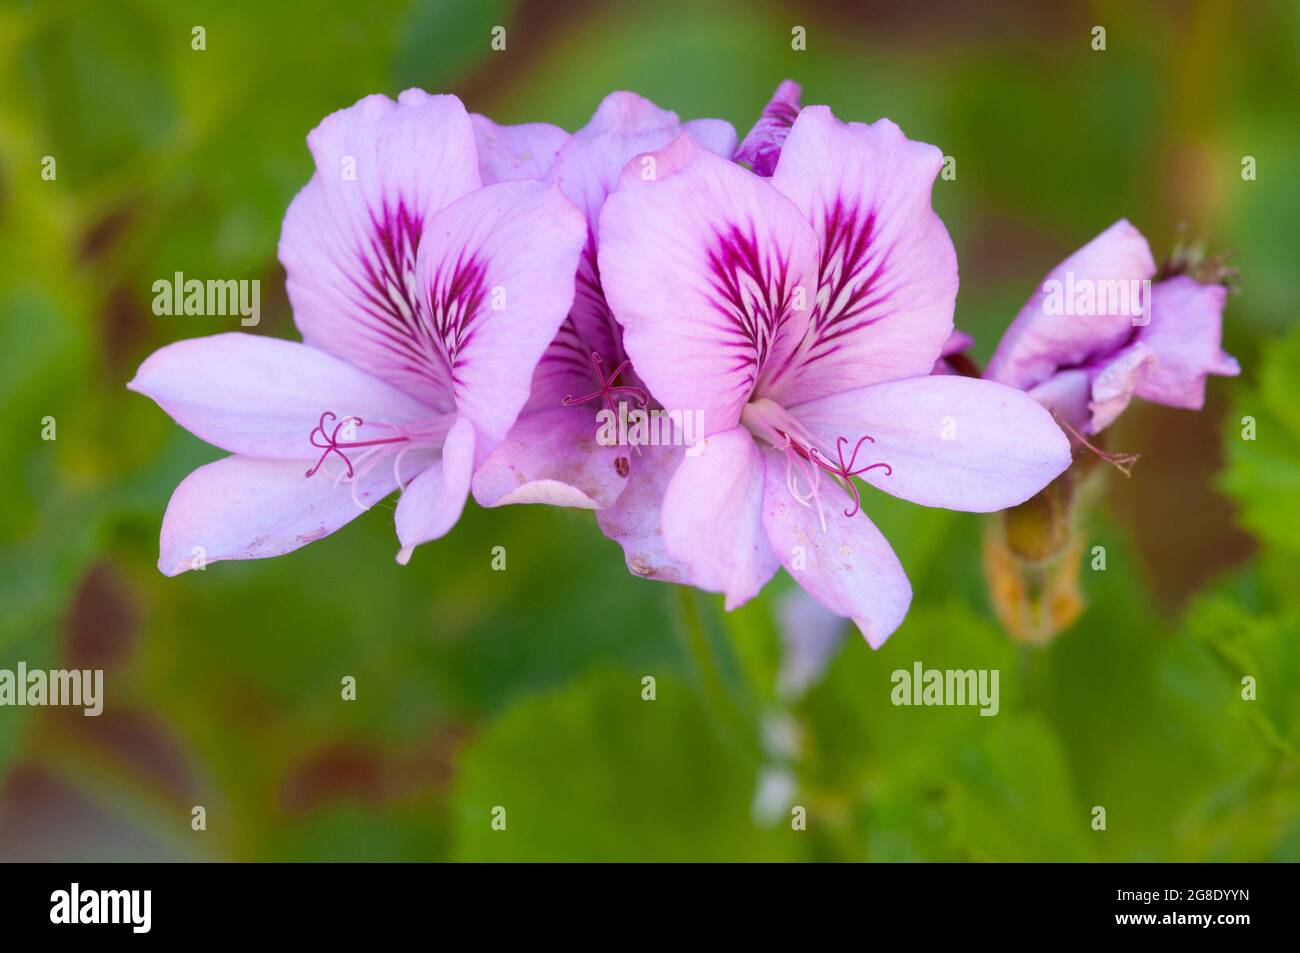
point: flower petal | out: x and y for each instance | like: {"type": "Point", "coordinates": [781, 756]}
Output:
{"type": "Point", "coordinates": [624, 125]}
{"type": "Point", "coordinates": [553, 457]}
{"type": "Point", "coordinates": [954, 442]}
{"type": "Point", "coordinates": [351, 236]}
{"type": "Point", "coordinates": [1185, 334]}
{"type": "Point", "coordinates": [431, 504]}
{"type": "Point", "coordinates": [887, 277]}
{"type": "Point", "coordinates": [704, 265]}
{"type": "Point", "coordinates": [1066, 394]}
{"type": "Point", "coordinates": [1050, 332]}
{"type": "Point", "coordinates": [588, 169]}
{"type": "Point", "coordinates": [634, 520]}
{"type": "Point", "coordinates": [263, 397]}
{"type": "Point", "coordinates": [716, 135]}
{"type": "Point", "coordinates": [495, 279]}
{"type": "Point", "coordinates": [761, 147]}
{"type": "Point", "coordinates": [524, 151]}
{"type": "Point", "coordinates": [244, 508]}
{"type": "Point", "coordinates": [712, 516]}
{"type": "Point", "coordinates": [1114, 384]}
{"type": "Point", "coordinates": [849, 567]}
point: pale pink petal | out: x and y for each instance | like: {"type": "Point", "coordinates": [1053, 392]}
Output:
{"type": "Point", "coordinates": [1114, 384]}
{"type": "Point", "coordinates": [524, 151]}
{"type": "Point", "coordinates": [552, 456]}
{"type": "Point", "coordinates": [263, 397]}
{"type": "Point", "coordinates": [244, 508]}
{"type": "Point", "coordinates": [588, 169]}
{"type": "Point", "coordinates": [1086, 307]}
{"type": "Point", "coordinates": [848, 566]}
{"type": "Point", "coordinates": [1184, 335]}
{"type": "Point", "coordinates": [887, 279]}
{"type": "Point", "coordinates": [761, 147]}
{"type": "Point", "coordinates": [624, 125]}
{"type": "Point", "coordinates": [716, 135]}
{"type": "Point", "coordinates": [955, 442]}
{"type": "Point", "coordinates": [1066, 395]}
{"type": "Point", "coordinates": [495, 278]}
{"type": "Point", "coordinates": [712, 516]}
{"type": "Point", "coordinates": [351, 236]}
{"type": "Point", "coordinates": [634, 520]}
{"type": "Point", "coordinates": [705, 266]}
{"type": "Point", "coordinates": [431, 504]}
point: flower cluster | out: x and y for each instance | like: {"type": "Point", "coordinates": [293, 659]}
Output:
{"type": "Point", "coordinates": [471, 296]}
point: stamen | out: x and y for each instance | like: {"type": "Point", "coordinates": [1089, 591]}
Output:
{"type": "Point", "coordinates": [1123, 462]}
{"type": "Point", "coordinates": [844, 470]}
{"type": "Point", "coordinates": [607, 389]}
{"type": "Point", "coordinates": [332, 444]}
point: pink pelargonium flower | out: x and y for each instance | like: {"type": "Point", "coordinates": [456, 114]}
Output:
{"type": "Point", "coordinates": [552, 454]}
{"type": "Point", "coordinates": [1090, 339]}
{"type": "Point", "coordinates": [801, 316]}
{"type": "Point", "coordinates": [424, 301]}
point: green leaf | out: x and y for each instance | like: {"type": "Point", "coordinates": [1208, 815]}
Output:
{"type": "Point", "coordinates": [596, 773]}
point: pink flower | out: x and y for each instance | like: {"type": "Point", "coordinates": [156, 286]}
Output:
{"type": "Point", "coordinates": [552, 455]}
{"type": "Point", "coordinates": [801, 315]}
{"type": "Point", "coordinates": [1096, 333]}
{"type": "Point", "coordinates": [424, 300]}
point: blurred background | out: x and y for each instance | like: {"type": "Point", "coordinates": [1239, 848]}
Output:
{"type": "Point", "coordinates": [523, 688]}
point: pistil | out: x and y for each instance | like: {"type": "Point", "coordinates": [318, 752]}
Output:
{"type": "Point", "coordinates": [332, 444]}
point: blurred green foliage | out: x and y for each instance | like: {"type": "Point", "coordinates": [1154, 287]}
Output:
{"type": "Point", "coordinates": [523, 688]}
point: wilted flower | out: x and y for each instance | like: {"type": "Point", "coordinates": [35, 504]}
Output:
{"type": "Point", "coordinates": [1097, 333]}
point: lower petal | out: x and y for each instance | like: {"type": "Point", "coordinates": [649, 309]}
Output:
{"type": "Point", "coordinates": [848, 566]}
{"type": "Point", "coordinates": [247, 508]}
{"type": "Point", "coordinates": [712, 516]}
{"type": "Point", "coordinates": [1065, 395]}
{"type": "Point", "coordinates": [1115, 384]}
{"type": "Point", "coordinates": [954, 442]}
{"type": "Point", "coordinates": [634, 520]}
{"type": "Point", "coordinates": [553, 457]}
{"type": "Point", "coordinates": [264, 397]}
{"type": "Point", "coordinates": [432, 503]}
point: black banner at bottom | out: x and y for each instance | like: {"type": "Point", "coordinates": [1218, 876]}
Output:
{"type": "Point", "coordinates": [93, 902]}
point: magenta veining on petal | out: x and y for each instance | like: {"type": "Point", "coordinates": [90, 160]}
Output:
{"type": "Point", "coordinates": [753, 290]}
